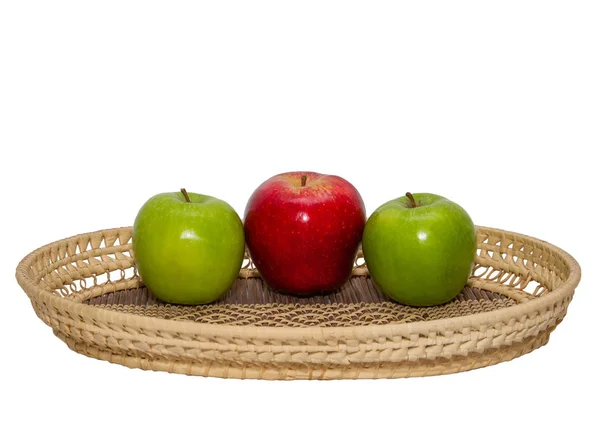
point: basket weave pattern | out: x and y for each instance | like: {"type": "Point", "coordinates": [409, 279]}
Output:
{"type": "Point", "coordinates": [352, 307]}
{"type": "Point", "coordinates": [86, 288]}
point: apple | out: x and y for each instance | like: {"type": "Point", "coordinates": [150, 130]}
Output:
{"type": "Point", "coordinates": [303, 230]}
{"type": "Point", "coordinates": [188, 247]}
{"type": "Point", "coordinates": [420, 249]}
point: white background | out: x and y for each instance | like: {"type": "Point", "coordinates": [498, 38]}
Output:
{"type": "Point", "coordinates": [103, 104]}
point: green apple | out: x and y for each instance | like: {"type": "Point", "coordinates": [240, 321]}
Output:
{"type": "Point", "coordinates": [188, 248]}
{"type": "Point", "coordinates": [420, 249]}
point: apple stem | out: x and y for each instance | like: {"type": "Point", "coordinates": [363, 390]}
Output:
{"type": "Point", "coordinates": [303, 180]}
{"type": "Point", "coordinates": [412, 200]}
{"type": "Point", "coordinates": [185, 194]}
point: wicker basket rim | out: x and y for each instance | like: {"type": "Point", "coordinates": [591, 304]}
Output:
{"type": "Point", "coordinates": [292, 333]}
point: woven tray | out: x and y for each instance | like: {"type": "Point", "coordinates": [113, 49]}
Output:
{"type": "Point", "coordinates": [86, 288]}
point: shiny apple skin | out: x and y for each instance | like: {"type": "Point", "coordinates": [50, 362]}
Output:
{"type": "Point", "coordinates": [420, 256]}
{"type": "Point", "coordinates": [188, 252]}
{"type": "Point", "coordinates": [304, 239]}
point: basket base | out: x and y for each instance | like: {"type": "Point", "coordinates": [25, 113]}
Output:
{"type": "Point", "coordinates": [292, 371]}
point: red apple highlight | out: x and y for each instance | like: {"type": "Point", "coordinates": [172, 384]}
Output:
{"type": "Point", "coordinates": [303, 230]}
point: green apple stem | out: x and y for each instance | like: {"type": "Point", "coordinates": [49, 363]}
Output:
{"type": "Point", "coordinates": [303, 180]}
{"type": "Point", "coordinates": [185, 194]}
{"type": "Point", "coordinates": [412, 200]}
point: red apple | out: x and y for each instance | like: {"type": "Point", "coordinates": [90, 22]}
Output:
{"type": "Point", "coordinates": [303, 230]}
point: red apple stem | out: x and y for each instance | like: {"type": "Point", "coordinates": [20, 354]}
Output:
{"type": "Point", "coordinates": [303, 180]}
{"type": "Point", "coordinates": [185, 194]}
{"type": "Point", "coordinates": [412, 200]}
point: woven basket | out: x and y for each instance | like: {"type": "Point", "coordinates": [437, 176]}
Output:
{"type": "Point", "coordinates": [86, 288]}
